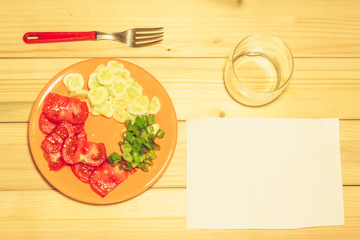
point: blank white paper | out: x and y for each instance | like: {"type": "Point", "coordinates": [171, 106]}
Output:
{"type": "Point", "coordinates": [263, 173]}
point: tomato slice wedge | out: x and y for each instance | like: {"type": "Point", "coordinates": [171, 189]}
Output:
{"type": "Point", "coordinates": [71, 150]}
{"type": "Point", "coordinates": [58, 108]}
{"type": "Point", "coordinates": [45, 125]}
{"type": "Point", "coordinates": [82, 171]}
{"type": "Point", "coordinates": [94, 153]}
{"type": "Point", "coordinates": [106, 178]}
{"type": "Point", "coordinates": [55, 160]}
{"type": "Point", "coordinates": [82, 135]}
{"type": "Point", "coordinates": [54, 141]}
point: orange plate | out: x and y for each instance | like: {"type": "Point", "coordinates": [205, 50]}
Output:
{"type": "Point", "coordinates": [107, 131]}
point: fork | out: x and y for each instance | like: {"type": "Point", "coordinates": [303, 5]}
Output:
{"type": "Point", "coordinates": [136, 37]}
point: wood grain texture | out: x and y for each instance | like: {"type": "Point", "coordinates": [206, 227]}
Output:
{"type": "Point", "coordinates": [319, 88]}
{"type": "Point", "coordinates": [323, 35]}
{"type": "Point", "coordinates": [203, 28]}
{"type": "Point", "coordinates": [157, 214]}
{"type": "Point", "coordinates": [20, 173]}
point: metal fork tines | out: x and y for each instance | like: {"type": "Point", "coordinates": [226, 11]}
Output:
{"type": "Point", "coordinates": [136, 37]}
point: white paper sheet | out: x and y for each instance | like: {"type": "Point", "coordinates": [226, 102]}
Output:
{"type": "Point", "coordinates": [263, 173]}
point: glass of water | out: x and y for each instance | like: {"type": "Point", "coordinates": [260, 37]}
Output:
{"type": "Point", "coordinates": [258, 70]}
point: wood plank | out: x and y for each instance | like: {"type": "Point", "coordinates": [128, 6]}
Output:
{"type": "Point", "coordinates": [154, 203]}
{"type": "Point", "coordinates": [18, 171]}
{"type": "Point", "coordinates": [157, 229]}
{"type": "Point", "coordinates": [156, 214]}
{"type": "Point", "coordinates": [319, 87]}
{"type": "Point", "coordinates": [192, 28]}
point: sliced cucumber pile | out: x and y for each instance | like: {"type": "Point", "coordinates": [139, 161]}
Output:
{"type": "Point", "coordinates": [112, 93]}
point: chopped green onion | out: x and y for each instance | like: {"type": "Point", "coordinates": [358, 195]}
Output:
{"type": "Point", "coordinates": [126, 147]}
{"type": "Point", "coordinates": [142, 158]}
{"type": "Point", "coordinates": [127, 123]}
{"type": "Point", "coordinates": [114, 158]}
{"type": "Point", "coordinates": [151, 119]}
{"type": "Point", "coordinates": [156, 147]}
{"type": "Point", "coordinates": [139, 121]}
{"type": "Point", "coordinates": [134, 164]}
{"type": "Point", "coordinates": [160, 133]}
{"type": "Point", "coordinates": [127, 156]}
{"type": "Point", "coordinates": [138, 145]}
{"type": "Point", "coordinates": [136, 157]}
{"type": "Point", "coordinates": [125, 166]}
{"type": "Point", "coordinates": [130, 137]}
{"type": "Point", "coordinates": [133, 128]}
{"type": "Point", "coordinates": [152, 154]}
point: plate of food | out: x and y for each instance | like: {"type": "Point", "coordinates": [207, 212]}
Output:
{"type": "Point", "coordinates": [102, 131]}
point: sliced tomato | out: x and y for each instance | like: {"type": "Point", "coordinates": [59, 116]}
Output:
{"type": "Point", "coordinates": [82, 135]}
{"type": "Point", "coordinates": [55, 160]}
{"type": "Point", "coordinates": [78, 128]}
{"type": "Point", "coordinates": [132, 171]}
{"type": "Point", "coordinates": [106, 178]}
{"type": "Point", "coordinates": [45, 125]}
{"type": "Point", "coordinates": [94, 153]}
{"type": "Point", "coordinates": [82, 171]}
{"type": "Point", "coordinates": [52, 143]}
{"type": "Point", "coordinates": [58, 108]}
{"type": "Point", "coordinates": [71, 150]}
{"type": "Point", "coordinates": [64, 130]}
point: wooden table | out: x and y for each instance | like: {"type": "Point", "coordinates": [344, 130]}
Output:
{"type": "Point", "coordinates": [324, 37]}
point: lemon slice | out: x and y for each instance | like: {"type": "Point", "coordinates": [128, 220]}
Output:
{"type": "Point", "coordinates": [154, 106]}
{"type": "Point", "coordinates": [114, 64]}
{"type": "Point", "coordinates": [98, 95]}
{"type": "Point", "coordinates": [120, 102]}
{"type": "Point", "coordinates": [120, 113]}
{"type": "Point", "coordinates": [121, 73]}
{"type": "Point", "coordinates": [79, 93]}
{"type": "Point", "coordinates": [118, 88]}
{"type": "Point", "coordinates": [93, 82]}
{"type": "Point", "coordinates": [105, 109]}
{"type": "Point", "coordinates": [105, 76]}
{"type": "Point", "coordinates": [139, 105]}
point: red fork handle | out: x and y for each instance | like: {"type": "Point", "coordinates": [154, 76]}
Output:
{"type": "Point", "coordinates": [47, 37]}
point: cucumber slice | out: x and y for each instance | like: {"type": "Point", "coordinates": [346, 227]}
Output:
{"type": "Point", "coordinates": [131, 117]}
{"type": "Point", "coordinates": [139, 105]}
{"type": "Point", "coordinates": [98, 95]}
{"type": "Point", "coordinates": [133, 91]}
{"type": "Point", "coordinates": [79, 93]}
{"type": "Point", "coordinates": [69, 76]}
{"type": "Point", "coordinates": [121, 73]}
{"type": "Point", "coordinates": [121, 102]}
{"type": "Point", "coordinates": [105, 76]}
{"type": "Point", "coordinates": [99, 66]}
{"type": "Point", "coordinates": [114, 64]}
{"type": "Point", "coordinates": [120, 113]}
{"type": "Point", "coordinates": [154, 106]}
{"type": "Point", "coordinates": [105, 109]}
{"type": "Point", "coordinates": [93, 82]}
{"type": "Point", "coordinates": [130, 80]}
{"type": "Point", "coordinates": [73, 81]}
{"type": "Point", "coordinates": [118, 88]}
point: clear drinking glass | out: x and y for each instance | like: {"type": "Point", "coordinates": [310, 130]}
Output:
{"type": "Point", "coordinates": [258, 70]}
